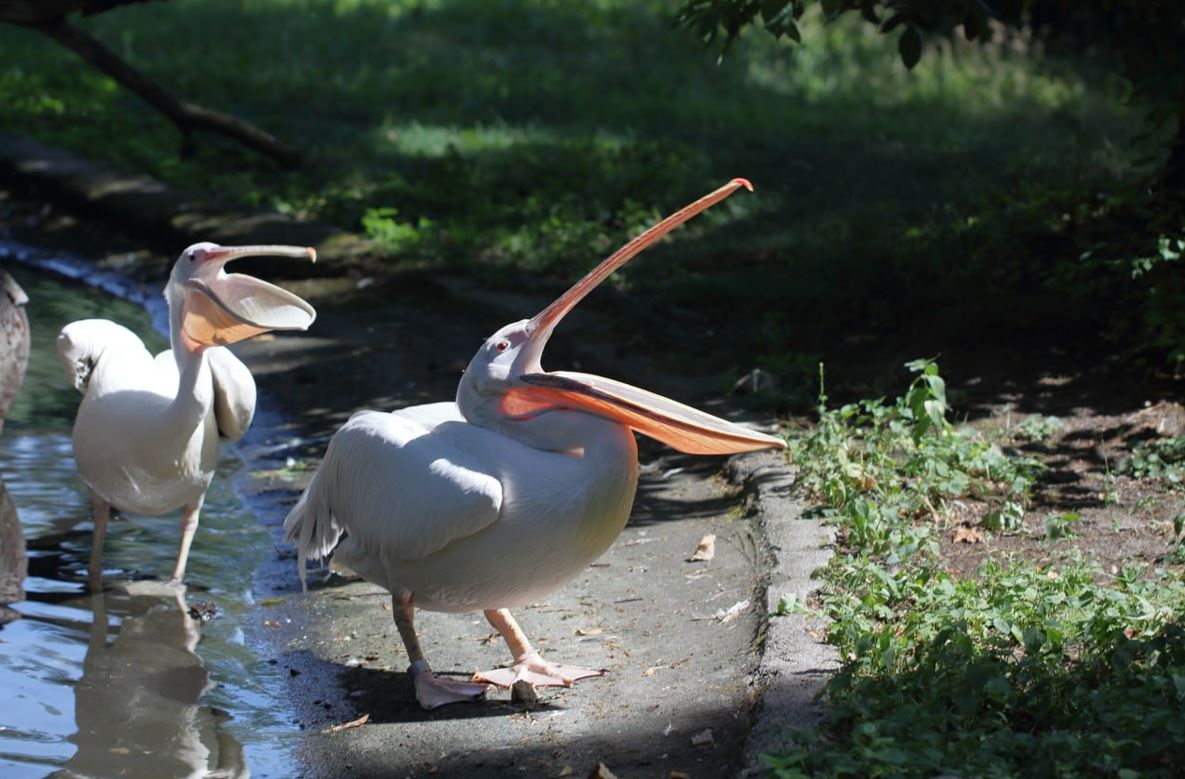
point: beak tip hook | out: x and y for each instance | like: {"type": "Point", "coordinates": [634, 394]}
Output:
{"type": "Point", "coordinates": [743, 182]}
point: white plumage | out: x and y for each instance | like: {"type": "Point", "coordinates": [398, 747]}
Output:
{"type": "Point", "coordinates": [498, 499]}
{"type": "Point", "coordinates": [147, 431]}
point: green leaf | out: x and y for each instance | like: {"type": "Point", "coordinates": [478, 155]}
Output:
{"type": "Point", "coordinates": [910, 46]}
{"type": "Point", "coordinates": [771, 8]}
{"type": "Point", "coordinates": [894, 22]}
{"type": "Point", "coordinates": [868, 11]}
{"type": "Point", "coordinates": [833, 8]}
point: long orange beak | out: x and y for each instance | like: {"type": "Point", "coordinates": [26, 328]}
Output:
{"type": "Point", "coordinates": [675, 424]}
{"type": "Point", "coordinates": [222, 308]}
{"type": "Point", "coordinates": [546, 320]}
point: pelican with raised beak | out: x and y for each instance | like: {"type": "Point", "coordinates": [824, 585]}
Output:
{"type": "Point", "coordinates": [497, 499]}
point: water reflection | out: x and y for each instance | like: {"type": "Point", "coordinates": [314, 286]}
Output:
{"type": "Point", "coordinates": [118, 684]}
{"type": "Point", "coordinates": [14, 358]}
{"type": "Point", "coordinates": [14, 564]}
{"type": "Point", "coordinates": [136, 705]}
{"type": "Point", "coordinates": [14, 341]}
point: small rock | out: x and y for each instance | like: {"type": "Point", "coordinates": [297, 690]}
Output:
{"type": "Point", "coordinates": [203, 611]}
{"type": "Point", "coordinates": [703, 739]}
{"type": "Point", "coordinates": [755, 381]}
{"type": "Point", "coordinates": [523, 692]}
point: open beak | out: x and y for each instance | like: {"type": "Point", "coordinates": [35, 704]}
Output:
{"type": "Point", "coordinates": [223, 308]}
{"type": "Point", "coordinates": [679, 426]}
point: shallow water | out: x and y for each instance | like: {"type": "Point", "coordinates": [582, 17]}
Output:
{"type": "Point", "coordinates": [126, 682]}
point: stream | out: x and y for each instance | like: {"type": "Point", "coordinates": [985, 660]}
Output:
{"type": "Point", "coordinates": [137, 680]}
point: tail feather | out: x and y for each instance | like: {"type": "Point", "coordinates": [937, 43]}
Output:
{"type": "Point", "coordinates": [310, 524]}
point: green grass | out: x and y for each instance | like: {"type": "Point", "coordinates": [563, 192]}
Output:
{"type": "Point", "coordinates": [534, 135]}
{"type": "Point", "coordinates": [1022, 670]}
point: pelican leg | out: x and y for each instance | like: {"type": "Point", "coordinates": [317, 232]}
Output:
{"type": "Point", "coordinates": [189, 523]}
{"type": "Point", "coordinates": [528, 665]}
{"type": "Point", "coordinates": [431, 690]}
{"type": "Point", "coordinates": [100, 515]}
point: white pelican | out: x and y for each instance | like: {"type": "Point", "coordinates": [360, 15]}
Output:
{"type": "Point", "coordinates": [495, 500]}
{"type": "Point", "coordinates": [147, 429]}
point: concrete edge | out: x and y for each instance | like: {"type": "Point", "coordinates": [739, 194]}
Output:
{"type": "Point", "coordinates": [795, 663]}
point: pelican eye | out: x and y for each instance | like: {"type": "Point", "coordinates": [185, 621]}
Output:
{"type": "Point", "coordinates": [502, 346]}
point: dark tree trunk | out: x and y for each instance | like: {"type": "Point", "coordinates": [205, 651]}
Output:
{"type": "Point", "coordinates": [186, 116]}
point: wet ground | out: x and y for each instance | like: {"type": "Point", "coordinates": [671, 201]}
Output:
{"type": "Point", "coordinates": [126, 682]}
{"type": "Point", "coordinates": [263, 683]}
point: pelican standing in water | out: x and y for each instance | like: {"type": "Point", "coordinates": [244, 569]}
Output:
{"type": "Point", "coordinates": [146, 434]}
{"type": "Point", "coordinates": [496, 500]}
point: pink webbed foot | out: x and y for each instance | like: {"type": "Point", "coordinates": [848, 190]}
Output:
{"type": "Point", "coordinates": [434, 691]}
{"type": "Point", "coordinates": [539, 672]}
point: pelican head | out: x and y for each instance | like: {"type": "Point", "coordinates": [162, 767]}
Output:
{"type": "Point", "coordinates": [505, 385]}
{"type": "Point", "coordinates": [210, 307]}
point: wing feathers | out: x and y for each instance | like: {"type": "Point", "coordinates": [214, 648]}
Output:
{"type": "Point", "coordinates": [401, 490]}
{"type": "Point", "coordinates": [234, 393]}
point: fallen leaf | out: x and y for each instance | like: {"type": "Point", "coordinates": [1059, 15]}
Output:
{"type": "Point", "coordinates": [678, 774]}
{"type": "Point", "coordinates": [354, 723]}
{"type": "Point", "coordinates": [272, 601]}
{"type": "Point", "coordinates": [724, 616]}
{"type": "Point", "coordinates": [601, 771]}
{"type": "Point", "coordinates": [589, 631]}
{"type": "Point", "coordinates": [968, 535]}
{"type": "Point", "coordinates": [705, 551]}
{"type": "Point", "coordinates": [565, 771]}
{"type": "Point", "coordinates": [651, 670]}
{"type": "Point", "coordinates": [119, 751]}
{"type": "Point", "coordinates": [703, 739]}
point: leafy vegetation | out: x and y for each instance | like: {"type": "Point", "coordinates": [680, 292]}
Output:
{"type": "Point", "coordinates": [1022, 670]}
{"type": "Point", "coordinates": [876, 467]}
{"type": "Point", "coordinates": [1143, 38]}
{"type": "Point", "coordinates": [530, 135]}
{"type": "Point", "coordinates": [1158, 458]}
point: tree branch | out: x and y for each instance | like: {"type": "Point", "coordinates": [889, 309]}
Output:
{"type": "Point", "coordinates": [186, 116]}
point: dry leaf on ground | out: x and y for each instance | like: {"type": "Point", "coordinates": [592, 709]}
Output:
{"type": "Point", "coordinates": [601, 771]}
{"type": "Point", "coordinates": [968, 535]}
{"type": "Point", "coordinates": [705, 551]}
{"type": "Point", "coordinates": [724, 616]}
{"type": "Point", "coordinates": [354, 723]}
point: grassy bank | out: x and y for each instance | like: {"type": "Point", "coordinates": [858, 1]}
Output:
{"type": "Point", "coordinates": [1060, 653]}
{"type": "Point", "coordinates": [524, 139]}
